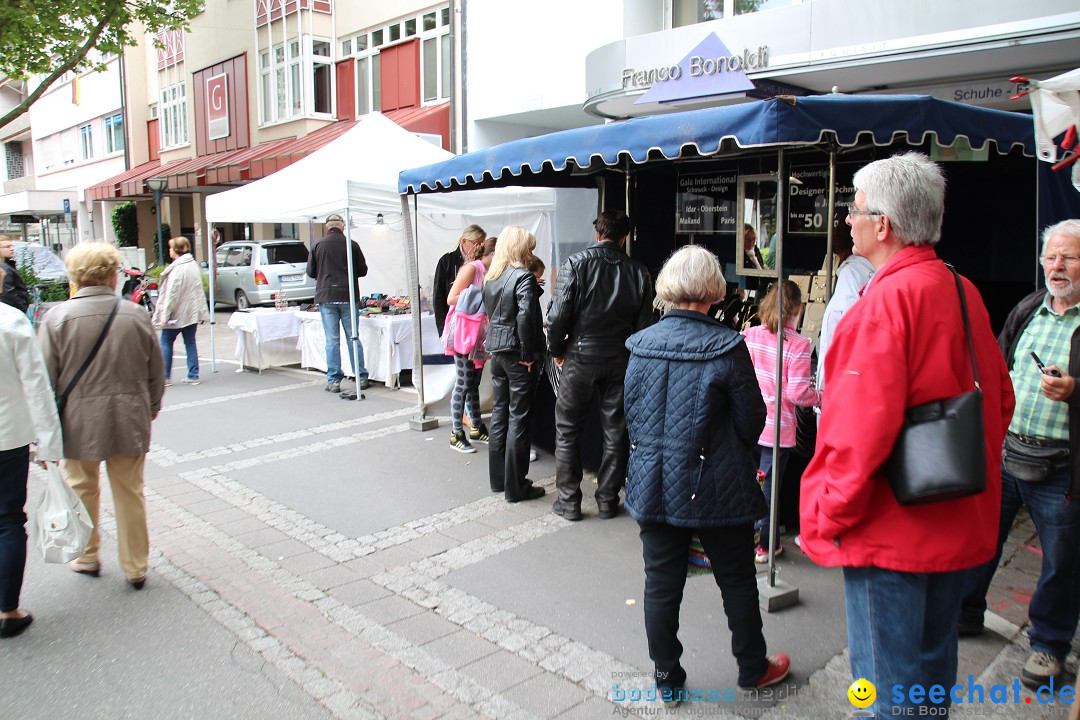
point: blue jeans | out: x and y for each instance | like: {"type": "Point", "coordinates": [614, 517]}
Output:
{"type": "Point", "coordinates": [1055, 605]}
{"type": "Point", "coordinates": [335, 317]}
{"type": "Point", "coordinates": [902, 630]}
{"type": "Point", "coordinates": [765, 466]}
{"type": "Point", "coordinates": [14, 466]}
{"type": "Point", "coordinates": [168, 338]}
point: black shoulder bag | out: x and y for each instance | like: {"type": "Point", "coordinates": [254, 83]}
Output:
{"type": "Point", "coordinates": [940, 453]}
{"type": "Point", "coordinates": [61, 399]}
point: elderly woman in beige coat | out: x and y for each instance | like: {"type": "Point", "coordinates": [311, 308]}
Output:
{"type": "Point", "coordinates": [181, 306]}
{"type": "Point", "coordinates": [108, 412]}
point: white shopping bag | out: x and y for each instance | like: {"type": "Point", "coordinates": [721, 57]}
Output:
{"type": "Point", "coordinates": [61, 524]}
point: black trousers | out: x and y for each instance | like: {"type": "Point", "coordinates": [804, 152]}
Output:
{"type": "Point", "coordinates": [580, 381]}
{"type": "Point", "coordinates": [508, 447]}
{"type": "Point", "coordinates": [731, 552]}
{"type": "Point", "coordinates": [14, 467]}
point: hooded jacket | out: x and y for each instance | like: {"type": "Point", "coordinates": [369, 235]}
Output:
{"type": "Point", "coordinates": [694, 413]}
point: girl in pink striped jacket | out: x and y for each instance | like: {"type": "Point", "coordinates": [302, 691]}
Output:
{"type": "Point", "coordinates": [797, 388]}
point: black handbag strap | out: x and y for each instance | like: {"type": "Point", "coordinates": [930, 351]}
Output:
{"type": "Point", "coordinates": [62, 400]}
{"type": "Point", "coordinates": [967, 326]}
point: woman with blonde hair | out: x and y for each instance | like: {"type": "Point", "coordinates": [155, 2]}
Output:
{"type": "Point", "coordinates": [796, 386]}
{"type": "Point", "coordinates": [110, 406]}
{"type": "Point", "coordinates": [448, 267]}
{"type": "Point", "coordinates": [515, 342]}
{"type": "Point", "coordinates": [468, 361]}
{"type": "Point", "coordinates": [694, 412]}
{"type": "Point", "coordinates": [181, 306]}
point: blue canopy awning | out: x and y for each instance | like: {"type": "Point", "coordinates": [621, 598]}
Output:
{"type": "Point", "coordinates": [852, 120]}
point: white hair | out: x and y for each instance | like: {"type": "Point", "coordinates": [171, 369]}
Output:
{"type": "Point", "coordinates": [909, 189]}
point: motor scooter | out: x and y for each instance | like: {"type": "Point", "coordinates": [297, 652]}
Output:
{"type": "Point", "coordinates": [140, 288]}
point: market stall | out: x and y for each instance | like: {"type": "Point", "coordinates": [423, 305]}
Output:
{"type": "Point", "coordinates": [356, 176]}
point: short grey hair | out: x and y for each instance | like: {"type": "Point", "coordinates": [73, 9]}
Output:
{"type": "Point", "coordinates": [1070, 228]}
{"type": "Point", "coordinates": [909, 189]}
{"type": "Point", "coordinates": [691, 274]}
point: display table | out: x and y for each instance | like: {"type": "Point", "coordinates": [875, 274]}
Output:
{"type": "Point", "coordinates": [266, 337]}
{"type": "Point", "coordinates": [387, 340]}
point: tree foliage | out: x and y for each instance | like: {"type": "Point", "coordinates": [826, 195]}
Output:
{"type": "Point", "coordinates": [52, 38]}
{"type": "Point", "coordinates": [125, 224]}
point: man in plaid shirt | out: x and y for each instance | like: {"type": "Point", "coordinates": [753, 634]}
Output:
{"type": "Point", "coordinates": [1046, 427]}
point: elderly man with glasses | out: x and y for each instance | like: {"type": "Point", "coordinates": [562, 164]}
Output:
{"type": "Point", "coordinates": [903, 344]}
{"type": "Point", "coordinates": [1041, 461]}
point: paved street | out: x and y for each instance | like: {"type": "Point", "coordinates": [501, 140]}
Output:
{"type": "Point", "coordinates": [315, 558]}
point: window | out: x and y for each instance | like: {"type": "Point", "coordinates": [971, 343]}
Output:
{"type": "Point", "coordinates": [689, 12]}
{"type": "Point", "coordinates": [346, 47]}
{"type": "Point", "coordinates": [286, 253]}
{"type": "Point", "coordinates": [286, 92]}
{"type": "Point", "coordinates": [114, 133]}
{"type": "Point", "coordinates": [285, 230]}
{"type": "Point", "coordinates": [15, 166]}
{"type": "Point", "coordinates": [432, 28]}
{"type": "Point", "coordinates": [173, 122]}
{"type": "Point", "coordinates": [86, 141]}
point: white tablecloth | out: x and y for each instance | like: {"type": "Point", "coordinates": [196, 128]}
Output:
{"type": "Point", "coordinates": [387, 341]}
{"type": "Point", "coordinates": [266, 337]}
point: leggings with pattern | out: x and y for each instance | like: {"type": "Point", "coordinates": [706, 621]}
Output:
{"type": "Point", "coordinates": [466, 388]}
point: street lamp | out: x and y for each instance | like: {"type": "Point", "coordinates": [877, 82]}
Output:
{"type": "Point", "coordinates": [157, 187]}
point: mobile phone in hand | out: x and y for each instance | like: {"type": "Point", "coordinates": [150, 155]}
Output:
{"type": "Point", "coordinates": [1042, 368]}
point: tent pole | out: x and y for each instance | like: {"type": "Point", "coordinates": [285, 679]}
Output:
{"type": "Point", "coordinates": [354, 320]}
{"type": "Point", "coordinates": [774, 595]}
{"type": "Point", "coordinates": [420, 422]}
{"type": "Point", "coordinates": [829, 269]}
{"type": "Point", "coordinates": [211, 263]}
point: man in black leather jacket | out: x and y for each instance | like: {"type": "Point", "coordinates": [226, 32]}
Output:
{"type": "Point", "coordinates": [602, 298]}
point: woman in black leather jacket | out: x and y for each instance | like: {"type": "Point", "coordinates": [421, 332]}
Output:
{"type": "Point", "coordinates": [515, 341]}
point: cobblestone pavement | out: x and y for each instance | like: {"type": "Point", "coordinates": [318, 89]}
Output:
{"type": "Point", "coordinates": [364, 571]}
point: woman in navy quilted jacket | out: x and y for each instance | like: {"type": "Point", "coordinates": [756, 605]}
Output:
{"type": "Point", "coordinates": [694, 413]}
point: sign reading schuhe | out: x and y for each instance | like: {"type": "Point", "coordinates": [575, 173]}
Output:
{"type": "Point", "coordinates": [706, 202]}
{"type": "Point", "coordinates": [808, 199]}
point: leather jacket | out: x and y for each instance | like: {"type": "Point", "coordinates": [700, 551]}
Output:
{"type": "Point", "coordinates": [515, 323]}
{"type": "Point", "coordinates": [445, 273]}
{"type": "Point", "coordinates": [603, 297]}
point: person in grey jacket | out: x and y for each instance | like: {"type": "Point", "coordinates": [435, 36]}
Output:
{"type": "Point", "coordinates": [181, 306]}
{"type": "Point", "coordinates": [694, 413]}
{"type": "Point", "coordinates": [515, 341]}
{"type": "Point", "coordinates": [108, 413]}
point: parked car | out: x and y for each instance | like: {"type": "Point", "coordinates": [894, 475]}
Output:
{"type": "Point", "coordinates": [253, 273]}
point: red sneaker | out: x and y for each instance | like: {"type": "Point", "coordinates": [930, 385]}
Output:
{"type": "Point", "coordinates": [779, 666]}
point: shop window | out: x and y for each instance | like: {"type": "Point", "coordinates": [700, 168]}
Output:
{"type": "Point", "coordinates": [86, 141]}
{"type": "Point", "coordinates": [114, 133]}
{"type": "Point", "coordinates": [285, 230]}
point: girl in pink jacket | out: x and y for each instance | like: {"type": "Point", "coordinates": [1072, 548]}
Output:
{"type": "Point", "coordinates": [796, 386]}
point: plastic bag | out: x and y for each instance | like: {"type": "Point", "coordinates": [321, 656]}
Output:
{"type": "Point", "coordinates": [62, 526]}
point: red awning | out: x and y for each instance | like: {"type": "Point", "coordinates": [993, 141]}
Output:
{"type": "Point", "coordinates": [432, 119]}
{"type": "Point", "coordinates": [110, 189]}
{"type": "Point", "coordinates": [297, 149]}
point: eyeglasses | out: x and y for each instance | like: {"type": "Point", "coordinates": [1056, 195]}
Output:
{"type": "Point", "coordinates": [852, 210]}
{"type": "Point", "coordinates": [1051, 260]}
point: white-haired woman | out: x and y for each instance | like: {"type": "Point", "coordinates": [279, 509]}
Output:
{"type": "Point", "coordinates": [515, 341]}
{"type": "Point", "coordinates": [109, 410]}
{"type": "Point", "coordinates": [694, 414]}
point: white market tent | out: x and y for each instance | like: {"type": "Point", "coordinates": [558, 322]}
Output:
{"type": "Point", "coordinates": [356, 176]}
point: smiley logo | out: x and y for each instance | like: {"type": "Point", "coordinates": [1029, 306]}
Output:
{"type": "Point", "coordinates": [862, 693]}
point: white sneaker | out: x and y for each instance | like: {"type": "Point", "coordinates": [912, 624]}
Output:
{"type": "Point", "coordinates": [189, 381]}
{"type": "Point", "coordinates": [532, 455]}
